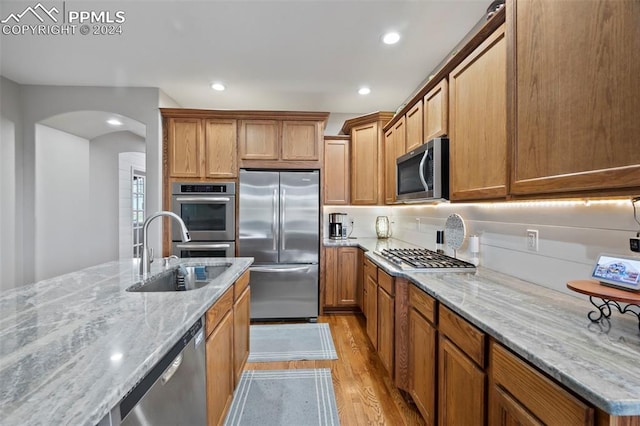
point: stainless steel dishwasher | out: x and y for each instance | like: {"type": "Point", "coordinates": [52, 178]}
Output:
{"type": "Point", "coordinates": [174, 391]}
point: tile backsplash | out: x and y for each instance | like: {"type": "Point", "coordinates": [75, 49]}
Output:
{"type": "Point", "coordinates": [571, 234]}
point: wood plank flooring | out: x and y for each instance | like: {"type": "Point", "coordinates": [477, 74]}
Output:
{"type": "Point", "coordinates": [365, 394]}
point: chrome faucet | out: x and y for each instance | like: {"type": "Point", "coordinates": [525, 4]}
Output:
{"type": "Point", "coordinates": [147, 253]}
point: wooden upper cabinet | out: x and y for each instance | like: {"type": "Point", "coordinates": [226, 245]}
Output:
{"type": "Point", "coordinates": [414, 124]}
{"type": "Point", "coordinates": [436, 111]}
{"type": "Point", "coordinates": [389, 147]}
{"type": "Point", "coordinates": [259, 140]}
{"type": "Point", "coordinates": [220, 148]}
{"type": "Point", "coordinates": [364, 164]}
{"type": "Point", "coordinates": [301, 140]}
{"type": "Point", "coordinates": [367, 157]}
{"type": "Point", "coordinates": [478, 108]}
{"type": "Point", "coordinates": [336, 170]}
{"type": "Point", "coordinates": [394, 146]}
{"type": "Point", "coordinates": [185, 147]}
{"type": "Point", "coordinates": [574, 72]}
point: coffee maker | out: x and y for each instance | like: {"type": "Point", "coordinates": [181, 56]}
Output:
{"type": "Point", "coordinates": [337, 226]}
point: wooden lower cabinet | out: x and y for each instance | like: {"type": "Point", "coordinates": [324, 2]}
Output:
{"type": "Point", "coordinates": [241, 320]}
{"type": "Point", "coordinates": [461, 387]}
{"type": "Point", "coordinates": [520, 395]}
{"type": "Point", "coordinates": [371, 308]}
{"type": "Point", "coordinates": [423, 354]}
{"type": "Point", "coordinates": [386, 345]}
{"type": "Point", "coordinates": [220, 372]}
{"type": "Point", "coordinates": [227, 347]}
{"type": "Point", "coordinates": [341, 277]}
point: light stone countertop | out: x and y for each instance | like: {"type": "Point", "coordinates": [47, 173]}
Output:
{"type": "Point", "coordinates": [598, 361]}
{"type": "Point", "coordinates": [57, 337]}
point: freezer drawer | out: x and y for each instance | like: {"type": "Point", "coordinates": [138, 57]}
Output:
{"type": "Point", "coordinates": [284, 291]}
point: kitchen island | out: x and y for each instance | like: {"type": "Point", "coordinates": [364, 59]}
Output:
{"type": "Point", "coordinates": [548, 329]}
{"type": "Point", "coordinates": [71, 347]}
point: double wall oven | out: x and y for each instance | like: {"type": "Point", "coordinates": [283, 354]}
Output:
{"type": "Point", "coordinates": [208, 210]}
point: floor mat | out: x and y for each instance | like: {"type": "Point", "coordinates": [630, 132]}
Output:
{"type": "Point", "coordinates": [284, 397]}
{"type": "Point", "coordinates": [291, 342]}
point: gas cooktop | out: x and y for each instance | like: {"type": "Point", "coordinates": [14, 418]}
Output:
{"type": "Point", "coordinates": [425, 260]}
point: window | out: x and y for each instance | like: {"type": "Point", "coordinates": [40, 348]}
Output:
{"type": "Point", "coordinates": [137, 207]}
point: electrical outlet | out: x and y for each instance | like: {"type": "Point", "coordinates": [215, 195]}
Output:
{"type": "Point", "coordinates": [418, 224]}
{"type": "Point", "coordinates": [532, 239]}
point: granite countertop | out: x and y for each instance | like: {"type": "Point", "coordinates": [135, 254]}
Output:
{"type": "Point", "coordinates": [598, 361]}
{"type": "Point", "coordinates": [57, 338]}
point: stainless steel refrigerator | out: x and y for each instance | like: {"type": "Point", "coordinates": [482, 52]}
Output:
{"type": "Point", "coordinates": [279, 221]}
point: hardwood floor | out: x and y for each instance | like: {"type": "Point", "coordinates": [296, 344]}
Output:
{"type": "Point", "coordinates": [365, 394]}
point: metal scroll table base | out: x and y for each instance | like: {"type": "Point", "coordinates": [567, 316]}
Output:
{"type": "Point", "coordinates": [609, 298]}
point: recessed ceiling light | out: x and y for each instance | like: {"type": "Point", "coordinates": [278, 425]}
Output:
{"type": "Point", "coordinates": [114, 122]}
{"type": "Point", "coordinates": [364, 91]}
{"type": "Point", "coordinates": [218, 86]}
{"type": "Point", "coordinates": [391, 38]}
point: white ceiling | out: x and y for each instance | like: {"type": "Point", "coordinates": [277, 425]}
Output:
{"type": "Point", "coordinates": [91, 124]}
{"type": "Point", "coordinates": [277, 55]}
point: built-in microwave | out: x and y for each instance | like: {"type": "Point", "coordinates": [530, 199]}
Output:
{"type": "Point", "coordinates": [423, 174]}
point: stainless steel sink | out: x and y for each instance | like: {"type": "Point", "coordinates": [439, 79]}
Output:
{"type": "Point", "coordinates": [183, 278]}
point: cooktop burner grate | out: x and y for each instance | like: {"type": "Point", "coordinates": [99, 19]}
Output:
{"type": "Point", "coordinates": [424, 259]}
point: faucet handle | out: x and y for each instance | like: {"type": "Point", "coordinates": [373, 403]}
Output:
{"type": "Point", "coordinates": [167, 260]}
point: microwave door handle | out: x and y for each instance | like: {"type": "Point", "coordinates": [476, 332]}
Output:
{"type": "Point", "coordinates": [421, 171]}
{"type": "Point", "coordinates": [274, 220]}
{"type": "Point", "coordinates": [207, 199]}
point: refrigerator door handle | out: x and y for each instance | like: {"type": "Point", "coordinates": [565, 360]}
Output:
{"type": "Point", "coordinates": [267, 269]}
{"type": "Point", "coordinates": [283, 198]}
{"type": "Point", "coordinates": [274, 222]}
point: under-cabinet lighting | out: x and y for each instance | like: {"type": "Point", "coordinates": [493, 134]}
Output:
{"type": "Point", "coordinates": [217, 86]}
{"type": "Point", "coordinates": [116, 356]}
{"type": "Point", "coordinates": [364, 91]}
{"type": "Point", "coordinates": [524, 204]}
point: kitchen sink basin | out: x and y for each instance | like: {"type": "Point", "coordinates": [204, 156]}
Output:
{"type": "Point", "coordinates": [182, 278]}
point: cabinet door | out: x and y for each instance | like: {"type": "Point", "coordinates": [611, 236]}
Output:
{"type": "Point", "coordinates": [414, 125]}
{"type": "Point", "coordinates": [331, 276]}
{"type": "Point", "coordinates": [461, 387]}
{"type": "Point", "coordinates": [360, 284]}
{"type": "Point", "coordinates": [300, 140]}
{"type": "Point", "coordinates": [436, 111]}
{"type": "Point", "coordinates": [506, 411]}
{"type": "Point", "coordinates": [336, 171]}
{"type": "Point", "coordinates": [422, 365]}
{"type": "Point", "coordinates": [347, 276]}
{"type": "Point", "coordinates": [185, 146]}
{"type": "Point", "coordinates": [575, 116]}
{"type": "Point", "coordinates": [220, 148]}
{"type": "Point", "coordinates": [389, 166]}
{"type": "Point", "coordinates": [259, 139]}
{"type": "Point", "coordinates": [364, 164]}
{"type": "Point", "coordinates": [477, 89]}
{"type": "Point", "coordinates": [386, 335]}
{"type": "Point", "coordinates": [241, 318]}
{"type": "Point", "coordinates": [220, 375]}
{"type": "Point", "coordinates": [371, 309]}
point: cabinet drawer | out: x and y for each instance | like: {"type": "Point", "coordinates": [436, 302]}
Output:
{"type": "Point", "coordinates": [422, 303]}
{"type": "Point", "coordinates": [370, 269]}
{"type": "Point", "coordinates": [386, 282]}
{"type": "Point", "coordinates": [240, 284]}
{"type": "Point", "coordinates": [464, 335]}
{"type": "Point", "coordinates": [219, 310]}
{"type": "Point", "coordinates": [538, 394]}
